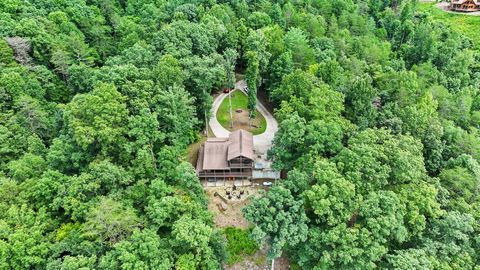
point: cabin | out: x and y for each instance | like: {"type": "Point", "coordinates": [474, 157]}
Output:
{"type": "Point", "coordinates": [465, 5]}
{"type": "Point", "coordinates": [229, 158]}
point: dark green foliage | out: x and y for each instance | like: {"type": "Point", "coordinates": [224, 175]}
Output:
{"type": "Point", "coordinates": [379, 116]}
{"type": "Point", "coordinates": [98, 100]}
{"type": "Point", "coordinates": [378, 138]}
{"type": "Point", "coordinates": [280, 219]}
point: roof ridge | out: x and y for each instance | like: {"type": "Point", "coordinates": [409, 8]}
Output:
{"type": "Point", "coordinates": [241, 142]}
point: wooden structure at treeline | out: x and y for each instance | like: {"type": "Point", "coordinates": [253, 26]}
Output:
{"type": "Point", "coordinates": [465, 5]}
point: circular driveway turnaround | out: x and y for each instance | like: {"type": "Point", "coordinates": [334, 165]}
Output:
{"type": "Point", "coordinates": [262, 142]}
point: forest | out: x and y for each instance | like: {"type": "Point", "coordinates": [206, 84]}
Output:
{"type": "Point", "coordinates": [378, 107]}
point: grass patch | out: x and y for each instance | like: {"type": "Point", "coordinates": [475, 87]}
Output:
{"type": "Point", "coordinates": [192, 149]}
{"type": "Point", "coordinates": [239, 244]}
{"type": "Point", "coordinates": [465, 24]}
{"type": "Point", "coordinates": [240, 101]}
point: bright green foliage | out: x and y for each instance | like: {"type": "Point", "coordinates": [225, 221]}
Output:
{"type": "Point", "coordinates": [143, 250]}
{"type": "Point", "coordinates": [332, 198]}
{"type": "Point", "coordinates": [193, 236]}
{"type": "Point", "coordinates": [26, 167]}
{"type": "Point", "coordinates": [378, 105]}
{"type": "Point", "coordinates": [239, 244]}
{"type": "Point", "coordinates": [258, 20]}
{"type": "Point", "coordinates": [296, 41]}
{"type": "Point", "coordinates": [448, 242]}
{"type": "Point", "coordinates": [297, 84]}
{"type": "Point", "coordinates": [97, 117]}
{"type": "Point", "coordinates": [410, 259]}
{"type": "Point", "coordinates": [110, 221]}
{"type": "Point", "coordinates": [230, 60]}
{"type": "Point", "coordinates": [252, 77]}
{"type": "Point", "coordinates": [462, 24]}
{"type": "Point", "coordinates": [375, 159]}
{"type": "Point", "coordinates": [175, 115]}
{"type": "Point", "coordinates": [203, 74]}
{"type": "Point", "coordinates": [279, 219]}
{"type": "Point", "coordinates": [74, 263]}
{"type": "Point", "coordinates": [256, 42]}
{"type": "Point", "coordinates": [281, 67]}
{"type": "Point", "coordinates": [6, 54]}
{"type": "Point", "coordinates": [168, 72]}
{"type": "Point", "coordinates": [289, 142]}
{"type": "Point", "coordinates": [98, 100]}
{"type": "Point", "coordinates": [360, 102]}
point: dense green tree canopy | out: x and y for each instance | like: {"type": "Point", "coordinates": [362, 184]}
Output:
{"type": "Point", "coordinates": [378, 107]}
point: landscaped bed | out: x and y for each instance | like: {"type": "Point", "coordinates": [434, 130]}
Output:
{"type": "Point", "coordinates": [257, 125]}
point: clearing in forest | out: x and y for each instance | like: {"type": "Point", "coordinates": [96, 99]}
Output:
{"type": "Point", "coordinates": [240, 115]}
{"type": "Point", "coordinates": [232, 216]}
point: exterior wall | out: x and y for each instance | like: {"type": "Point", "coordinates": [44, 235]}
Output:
{"type": "Point", "coordinates": [240, 168]}
{"type": "Point", "coordinates": [240, 162]}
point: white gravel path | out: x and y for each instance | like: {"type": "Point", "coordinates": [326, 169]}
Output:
{"type": "Point", "coordinates": [261, 142]}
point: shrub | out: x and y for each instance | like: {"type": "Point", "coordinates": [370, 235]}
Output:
{"type": "Point", "coordinates": [239, 244]}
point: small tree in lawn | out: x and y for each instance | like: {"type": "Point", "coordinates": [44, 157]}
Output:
{"type": "Point", "coordinates": [252, 78]}
{"type": "Point", "coordinates": [230, 60]}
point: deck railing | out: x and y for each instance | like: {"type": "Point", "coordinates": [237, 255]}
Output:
{"type": "Point", "coordinates": [225, 174]}
{"type": "Point", "coordinates": [241, 165]}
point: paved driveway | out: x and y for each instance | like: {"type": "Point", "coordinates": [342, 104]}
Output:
{"type": "Point", "coordinates": [261, 142]}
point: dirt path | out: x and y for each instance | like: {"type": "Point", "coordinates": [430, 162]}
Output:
{"type": "Point", "coordinates": [259, 261]}
{"type": "Point", "coordinates": [232, 216]}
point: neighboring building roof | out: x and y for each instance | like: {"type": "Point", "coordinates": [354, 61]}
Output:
{"type": "Point", "coordinates": [463, 1]}
{"type": "Point", "coordinates": [216, 152]}
{"type": "Point", "coordinates": [241, 144]}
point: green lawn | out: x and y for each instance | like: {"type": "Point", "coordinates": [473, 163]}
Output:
{"type": "Point", "coordinates": [468, 25]}
{"type": "Point", "coordinates": [240, 101]}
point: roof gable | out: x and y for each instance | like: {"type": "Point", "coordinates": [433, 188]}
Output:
{"type": "Point", "coordinates": [241, 144]}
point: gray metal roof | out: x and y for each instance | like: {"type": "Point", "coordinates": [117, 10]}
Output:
{"type": "Point", "coordinates": [216, 152]}
{"type": "Point", "coordinates": [241, 144]}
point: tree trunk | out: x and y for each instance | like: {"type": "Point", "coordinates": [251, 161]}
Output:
{"type": "Point", "coordinates": [230, 100]}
